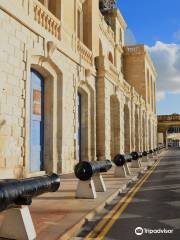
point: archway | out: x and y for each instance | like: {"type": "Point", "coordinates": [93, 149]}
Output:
{"type": "Point", "coordinates": [37, 109]}
{"type": "Point", "coordinates": [144, 134]}
{"type": "Point", "coordinates": [53, 78]}
{"type": "Point", "coordinates": [150, 137]}
{"type": "Point", "coordinates": [82, 138]}
{"type": "Point", "coordinates": [127, 138]}
{"type": "Point", "coordinates": [166, 122]}
{"type": "Point", "coordinates": [173, 137]}
{"type": "Point", "coordinates": [100, 48]}
{"type": "Point", "coordinates": [115, 126]}
{"type": "Point", "coordinates": [137, 130]}
{"type": "Point", "coordinates": [110, 57]}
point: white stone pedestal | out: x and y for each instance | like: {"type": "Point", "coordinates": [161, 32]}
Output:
{"type": "Point", "coordinates": [86, 189]}
{"type": "Point", "coordinates": [99, 183]}
{"type": "Point", "coordinates": [128, 172]}
{"type": "Point", "coordinates": [145, 159]}
{"type": "Point", "coordinates": [18, 224]}
{"type": "Point", "coordinates": [120, 172]}
{"type": "Point", "coordinates": [136, 164]}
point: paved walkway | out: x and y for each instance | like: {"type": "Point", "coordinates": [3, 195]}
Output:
{"type": "Point", "coordinates": [59, 215]}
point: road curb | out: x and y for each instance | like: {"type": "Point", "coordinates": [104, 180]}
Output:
{"type": "Point", "coordinates": [72, 231]}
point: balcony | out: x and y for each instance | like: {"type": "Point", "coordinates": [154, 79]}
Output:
{"type": "Point", "coordinates": [127, 87]}
{"type": "Point", "coordinates": [135, 96]}
{"type": "Point", "coordinates": [46, 19]}
{"type": "Point", "coordinates": [112, 68]}
{"type": "Point", "coordinates": [84, 52]}
{"type": "Point", "coordinates": [107, 31]}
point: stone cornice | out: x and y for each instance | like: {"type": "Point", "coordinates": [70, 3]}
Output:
{"type": "Point", "coordinates": [116, 12]}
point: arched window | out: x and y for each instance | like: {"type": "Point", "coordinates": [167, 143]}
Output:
{"type": "Point", "coordinates": [36, 163]}
{"type": "Point", "coordinates": [110, 57]}
{"type": "Point", "coordinates": [100, 48]}
{"type": "Point", "coordinates": [120, 35]}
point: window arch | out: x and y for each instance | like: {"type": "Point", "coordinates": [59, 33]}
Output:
{"type": "Point", "coordinates": [110, 57]}
{"type": "Point", "coordinates": [120, 35]}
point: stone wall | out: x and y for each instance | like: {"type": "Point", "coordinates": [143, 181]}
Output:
{"type": "Point", "coordinates": [68, 66]}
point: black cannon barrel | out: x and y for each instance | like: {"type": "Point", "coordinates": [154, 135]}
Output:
{"type": "Point", "coordinates": [136, 155]}
{"type": "Point", "coordinates": [20, 192]}
{"type": "Point", "coordinates": [121, 159]}
{"type": "Point", "coordinates": [161, 146]}
{"type": "Point", "coordinates": [145, 153]}
{"type": "Point", "coordinates": [85, 170]}
{"type": "Point", "coordinates": [150, 151]}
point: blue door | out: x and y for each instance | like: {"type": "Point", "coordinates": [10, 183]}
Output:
{"type": "Point", "coordinates": [79, 126]}
{"type": "Point", "coordinates": [36, 122]}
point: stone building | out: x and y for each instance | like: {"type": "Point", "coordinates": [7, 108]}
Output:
{"type": "Point", "coordinates": [168, 128]}
{"type": "Point", "coordinates": [69, 88]}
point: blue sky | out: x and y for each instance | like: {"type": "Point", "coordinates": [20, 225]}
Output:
{"type": "Point", "coordinates": [156, 23]}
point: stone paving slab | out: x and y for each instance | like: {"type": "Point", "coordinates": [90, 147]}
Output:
{"type": "Point", "coordinates": [60, 215]}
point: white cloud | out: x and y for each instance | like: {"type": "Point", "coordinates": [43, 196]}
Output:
{"type": "Point", "coordinates": [160, 96]}
{"type": "Point", "coordinates": [166, 58]}
{"type": "Point", "coordinates": [176, 35]}
{"type": "Point", "coordinates": [129, 37]}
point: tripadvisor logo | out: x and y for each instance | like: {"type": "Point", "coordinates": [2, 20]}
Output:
{"type": "Point", "coordinates": [140, 231]}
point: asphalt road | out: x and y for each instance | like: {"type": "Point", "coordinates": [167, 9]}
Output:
{"type": "Point", "coordinates": [156, 206]}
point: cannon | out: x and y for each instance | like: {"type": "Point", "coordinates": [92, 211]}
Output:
{"type": "Point", "coordinates": [136, 159]}
{"type": "Point", "coordinates": [161, 147]}
{"type": "Point", "coordinates": [155, 152]}
{"type": "Point", "coordinates": [121, 159]}
{"type": "Point", "coordinates": [90, 179]}
{"type": "Point", "coordinates": [15, 197]}
{"type": "Point", "coordinates": [136, 155]}
{"type": "Point", "coordinates": [152, 154]}
{"type": "Point", "coordinates": [145, 153]}
{"type": "Point", "coordinates": [85, 170]}
{"type": "Point", "coordinates": [20, 192]}
{"type": "Point", "coordinates": [145, 156]}
{"type": "Point", "coordinates": [122, 169]}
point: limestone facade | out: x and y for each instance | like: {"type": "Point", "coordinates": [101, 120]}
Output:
{"type": "Point", "coordinates": [168, 127]}
{"type": "Point", "coordinates": [79, 52]}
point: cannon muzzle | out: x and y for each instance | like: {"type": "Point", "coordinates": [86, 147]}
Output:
{"type": "Point", "coordinates": [121, 159]}
{"type": "Point", "coordinates": [145, 153]}
{"type": "Point", "coordinates": [136, 155]}
{"type": "Point", "coordinates": [85, 170]}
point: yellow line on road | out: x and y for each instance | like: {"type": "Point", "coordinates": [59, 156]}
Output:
{"type": "Point", "coordinates": [103, 227]}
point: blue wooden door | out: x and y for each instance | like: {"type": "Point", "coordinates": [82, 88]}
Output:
{"type": "Point", "coordinates": [36, 122]}
{"type": "Point", "coordinates": [79, 126]}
